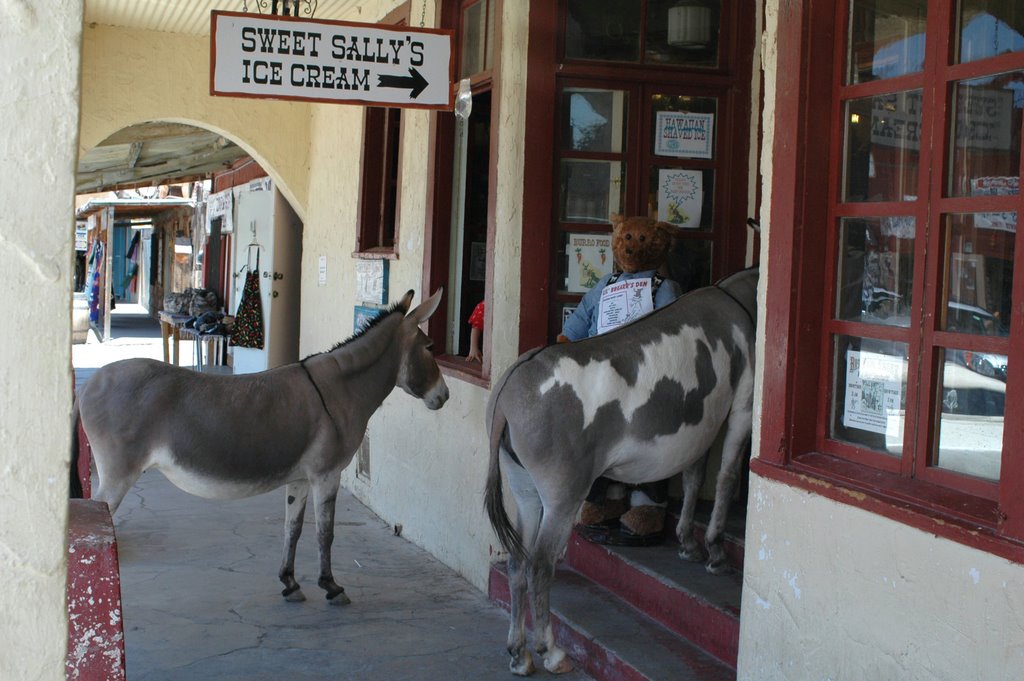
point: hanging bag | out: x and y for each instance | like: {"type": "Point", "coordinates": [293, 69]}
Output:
{"type": "Point", "coordinates": [247, 331]}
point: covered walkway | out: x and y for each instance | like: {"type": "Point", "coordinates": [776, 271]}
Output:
{"type": "Point", "coordinates": [201, 600]}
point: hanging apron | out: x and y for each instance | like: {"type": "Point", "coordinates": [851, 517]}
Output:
{"type": "Point", "coordinates": [247, 331]}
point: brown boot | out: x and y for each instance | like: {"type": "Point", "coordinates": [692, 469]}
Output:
{"type": "Point", "coordinates": [597, 513]}
{"type": "Point", "coordinates": [644, 521]}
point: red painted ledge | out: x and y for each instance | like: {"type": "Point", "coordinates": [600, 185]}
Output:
{"type": "Point", "coordinates": [95, 627]}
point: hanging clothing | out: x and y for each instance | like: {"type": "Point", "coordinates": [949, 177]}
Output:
{"type": "Point", "coordinates": [247, 331]}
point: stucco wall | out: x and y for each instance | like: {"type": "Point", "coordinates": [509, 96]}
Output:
{"type": "Point", "coordinates": [136, 76]}
{"type": "Point", "coordinates": [39, 69]}
{"type": "Point", "coordinates": [833, 592]}
{"type": "Point", "coordinates": [427, 469]}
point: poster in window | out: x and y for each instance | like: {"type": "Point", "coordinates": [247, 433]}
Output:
{"type": "Point", "coordinates": [684, 135]}
{"type": "Point", "coordinates": [590, 258]}
{"type": "Point", "coordinates": [1004, 221]}
{"type": "Point", "coordinates": [874, 386]}
{"type": "Point", "coordinates": [680, 196]}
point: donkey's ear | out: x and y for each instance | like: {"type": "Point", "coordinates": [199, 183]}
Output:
{"type": "Point", "coordinates": [427, 307]}
{"type": "Point", "coordinates": [406, 300]}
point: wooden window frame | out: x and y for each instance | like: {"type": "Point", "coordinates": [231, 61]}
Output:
{"type": "Point", "coordinates": [381, 172]}
{"type": "Point", "coordinates": [794, 327]}
{"type": "Point", "coordinates": [437, 235]}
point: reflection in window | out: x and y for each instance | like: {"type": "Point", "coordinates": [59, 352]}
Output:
{"type": "Point", "coordinates": [989, 28]}
{"type": "Point", "coordinates": [869, 388]}
{"type": "Point", "coordinates": [876, 270]}
{"type": "Point", "coordinates": [883, 142]}
{"type": "Point", "coordinates": [591, 190]}
{"type": "Point", "coordinates": [971, 405]}
{"type": "Point", "coordinates": [979, 273]}
{"type": "Point", "coordinates": [682, 32]}
{"type": "Point", "coordinates": [985, 153]}
{"type": "Point", "coordinates": [608, 30]}
{"type": "Point", "coordinates": [593, 120]}
{"type": "Point", "coordinates": [887, 39]}
{"type": "Point", "coordinates": [477, 38]}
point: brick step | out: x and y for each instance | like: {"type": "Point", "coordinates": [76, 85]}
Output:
{"type": "Point", "coordinates": [680, 595]}
{"type": "Point", "coordinates": [610, 639]}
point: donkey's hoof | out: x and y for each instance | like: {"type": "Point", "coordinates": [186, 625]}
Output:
{"type": "Point", "coordinates": [557, 662]}
{"type": "Point", "coordinates": [293, 594]}
{"type": "Point", "coordinates": [339, 599]}
{"type": "Point", "coordinates": [522, 665]}
{"type": "Point", "coordinates": [718, 567]}
{"type": "Point", "coordinates": [693, 553]}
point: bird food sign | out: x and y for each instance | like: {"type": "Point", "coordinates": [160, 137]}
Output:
{"type": "Point", "coordinates": [278, 57]}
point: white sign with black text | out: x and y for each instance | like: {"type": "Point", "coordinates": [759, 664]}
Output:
{"type": "Point", "coordinates": [329, 61]}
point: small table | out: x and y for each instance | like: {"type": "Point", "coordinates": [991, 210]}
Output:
{"type": "Point", "coordinates": [214, 343]}
{"type": "Point", "coordinates": [171, 325]}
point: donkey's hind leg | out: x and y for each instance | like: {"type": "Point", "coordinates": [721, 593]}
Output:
{"type": "Point", "coordinates": [115, 477]}
{"type": "Point", "coordinates": [693, 477]}
{"type": "Point", "coordinates": [325, 495]}
{"type": "Point", "coordinates": [555, 528]}
{"type": "Point", "coordinates": [528, 514]}
{"type": "Point", "coordinates": [294, 511]}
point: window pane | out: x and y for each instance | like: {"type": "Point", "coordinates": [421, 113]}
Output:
{"type": "Point", "coordinates": [591, 190]}
{"type": "Point", "coordinates": [684, 197]}
{"type": "Point", "coordinates": [474, 44]}
{"type": "Point", "coordinates": [876, 270]}
{"type": "Point", "coordinates": [603, 29]}
{"type": "Point", "coordinates": [669, 140]}
{"type": "Point", "coordinates": [972, 401]}
{"type": "Point", "coordinates": [985, 154]}
{"type": "Point", "coordinates": [689, 263]}
{"type": "Point", "coordinates": [682, 32]}
{"type": "Point", "coordinates": [593, 120]}
{"type": "Point", "coordinates": [990, 27]}
{"type": "Point", "coordinates": [883, 139]}
{"type": "Point", "coordinates": [887, 39]}
{"type": "Point", "coordinates": [869, 391]}
{"type": "Point", "coordinates": [979, 273]}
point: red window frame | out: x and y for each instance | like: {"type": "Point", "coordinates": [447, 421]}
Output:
{"type": "Point", "coordinates": [381, 170]}
{"type": "Point", "coordinates": [798, 321]}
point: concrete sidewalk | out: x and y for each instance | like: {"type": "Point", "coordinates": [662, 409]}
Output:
{"type": "Point", "coordinates": [201, 600]}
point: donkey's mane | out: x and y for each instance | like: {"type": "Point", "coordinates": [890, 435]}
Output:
{"type": "Point", "coordinates": [364, 329]}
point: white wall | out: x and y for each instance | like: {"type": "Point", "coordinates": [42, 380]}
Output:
{"type": "Point", "coordinates": [420, 475]}
{"type": "Point", "coordinates": [831, 591]}
{"type": "Point", "coordinates": [39, 71]}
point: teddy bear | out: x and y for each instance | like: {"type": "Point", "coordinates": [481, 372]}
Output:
{"type": "Point", "coordinates": [640, 247]}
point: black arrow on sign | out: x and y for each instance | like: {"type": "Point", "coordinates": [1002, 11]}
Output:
{"type": "Point", "coordinates": [414, 81]}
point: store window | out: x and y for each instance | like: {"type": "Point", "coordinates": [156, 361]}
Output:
{"type": "Point", "coordinates": [462, 233]}
{"type": "Point", "coordinates": [915, 340]}
{"type": "Point", "coordinates": [381, 171]}
{"type": "Point", "coordinates": [649, 99]}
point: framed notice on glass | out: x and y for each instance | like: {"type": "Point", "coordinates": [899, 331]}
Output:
{"type": "Point", "coordinates": [680, 196]}
{"type": "Point", "coordinates": [590, 258]}
{"type": "Point", "coordinates": [684, 135]}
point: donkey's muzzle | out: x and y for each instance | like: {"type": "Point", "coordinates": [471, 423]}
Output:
{"type": "Point", "coordinates": [437, 395]}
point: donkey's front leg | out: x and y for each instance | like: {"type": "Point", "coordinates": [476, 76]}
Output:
{"type": "Point", "coordinates": [325, 494]}
{"type": "Point", "coordinates": [294, 511]}
{"type": "Point", "coordinates": [732, 460]}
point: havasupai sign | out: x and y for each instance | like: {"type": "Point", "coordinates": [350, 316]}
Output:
{"type": "Point", "coordinates": [330, 61]}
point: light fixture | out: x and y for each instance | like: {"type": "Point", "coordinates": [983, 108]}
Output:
{"type": "Point", "coordinates": [689, 25]}
{"type": "Point", "coordinates": [294, 8]}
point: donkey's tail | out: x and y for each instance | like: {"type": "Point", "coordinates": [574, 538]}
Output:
{"type": "Point", "coordinates": [76, 491]}
{"type": "Point", "coordinates": [494, 497]}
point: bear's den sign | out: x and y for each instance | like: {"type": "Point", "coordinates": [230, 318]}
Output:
{"type": "Point", "coordinates": [330, 61]}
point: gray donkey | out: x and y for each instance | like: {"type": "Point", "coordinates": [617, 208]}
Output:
{"type": "Point", "coordinates": [228, 437]}
{"type": "Point", "coordinates": [638, 404]}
